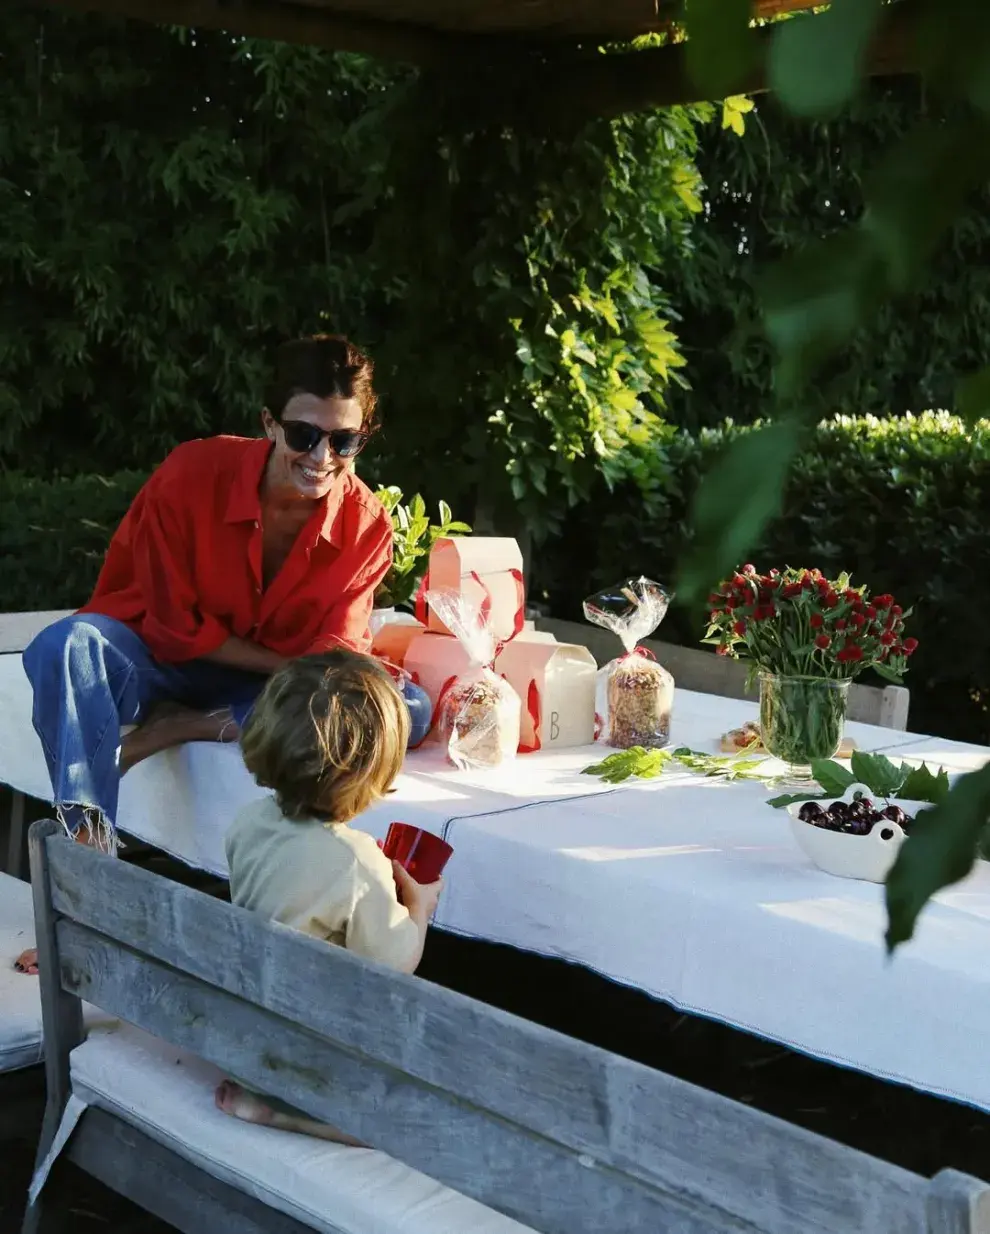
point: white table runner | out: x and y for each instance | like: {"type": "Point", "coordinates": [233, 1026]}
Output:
{"type": "Point", "coordinates": [690, 889]}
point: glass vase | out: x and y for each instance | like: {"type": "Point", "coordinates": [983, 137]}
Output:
{"type": "Point", "coordinates": [802, 719]}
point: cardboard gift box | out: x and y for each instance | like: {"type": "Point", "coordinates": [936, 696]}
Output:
{"type": "Point", "coordinates": [391, 641]}
{"type": "Point", "coordinates": [556, 683]}
{"type": "Point", "coordinates": [486, 570]}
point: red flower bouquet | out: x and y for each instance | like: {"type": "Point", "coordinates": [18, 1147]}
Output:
{"type": "Point", "coordinates": [807, 637]}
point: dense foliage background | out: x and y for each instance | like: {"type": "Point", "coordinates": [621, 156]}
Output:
{"type": "Point", "coordinates": [555, 319]}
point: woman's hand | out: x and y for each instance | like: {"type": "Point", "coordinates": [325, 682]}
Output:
{"type": "Point", "coordinates": [420, 899]}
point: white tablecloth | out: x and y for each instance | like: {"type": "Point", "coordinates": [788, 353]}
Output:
{"type": "Point", "coordinates": [690, 889]}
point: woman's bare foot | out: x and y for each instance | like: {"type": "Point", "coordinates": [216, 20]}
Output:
{"type": "Point", "coordinates": [250, 1108]}
{"type": "Point", "coordinates": [170, 724]}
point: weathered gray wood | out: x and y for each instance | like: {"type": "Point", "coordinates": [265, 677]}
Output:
{"type": "Point", "coordinates": [61, 1013]}
{"type": "Point", "coordinates": [168, 1186]}
{"type": "Point", "coordinates": [702, 1150]}
{"type": "Point", "coordinates": [18, 629]}
{"type": "Point", "coordinates": [958, 1204]}
{"type": "Point", "coordinates": [694, 668]}
{"type": "Point", "coordinates": [15, 834]}
{"type": "Point", "coordinates": [535, 1180]}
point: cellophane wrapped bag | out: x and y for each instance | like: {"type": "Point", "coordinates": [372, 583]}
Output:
{"type": "Point", "coordinates": [478, 713]}
{"type": "Point", "coordinates": [636, 693]}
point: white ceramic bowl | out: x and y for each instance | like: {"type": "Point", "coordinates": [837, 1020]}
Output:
{"type": "Point", "coordinates": [866, 857]}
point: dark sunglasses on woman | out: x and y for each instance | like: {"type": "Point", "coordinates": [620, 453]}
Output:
{"type": "Point", "coordinates": [302, 437]}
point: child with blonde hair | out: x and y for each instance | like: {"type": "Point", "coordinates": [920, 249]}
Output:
{"type": "Point", "coordinates": [327, 736]}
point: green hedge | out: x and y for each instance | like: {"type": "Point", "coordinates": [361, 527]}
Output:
{"type": "Point", "coordinates": [904, 503]}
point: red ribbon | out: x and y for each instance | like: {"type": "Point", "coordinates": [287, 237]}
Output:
{"type": "Point", "coordinates": [441, 699]}
{"type": "Point", "coordinates": [533, 707]}
{"type": "Point", "coordinates": [639, 651]}
{"type": "Point", "coordinates": [486, 603]}
{"type": "Point", "coordinates": [393, 669]}
{"type": "Point", "coordinates": [421, 590]}
{"type": "Point", "coordinates": [520, 618]}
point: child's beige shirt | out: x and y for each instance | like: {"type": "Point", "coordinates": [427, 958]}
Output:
{"type": "Point", "coordinates": [325, 879]}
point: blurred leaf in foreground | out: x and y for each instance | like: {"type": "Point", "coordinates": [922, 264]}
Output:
{"type": "Point", "coordinates": [941, 850]}
{"type": "Point", "coordinates": [735, 500]}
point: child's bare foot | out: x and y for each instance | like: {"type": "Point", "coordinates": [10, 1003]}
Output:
{"type": "Point", "coordinates": [250, 1108]}
{"type": "Point", "coordinates": [239, 1103]}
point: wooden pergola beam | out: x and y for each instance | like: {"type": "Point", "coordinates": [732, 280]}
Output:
{"type": "Point", "coordinates": [608, 86]}
{"type": "Point", "coordinates": [303, 24]}
{"type": "Point", "coordinates": [427, 32]}
{"type": "Point", "coordinates": [564, 81]}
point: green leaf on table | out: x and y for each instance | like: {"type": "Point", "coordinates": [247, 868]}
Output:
{"type": "Point", "coordinates": [973, 396]}
{"type": "Point", "coordinates": [734, 502]}
{"type": "Point", "coordinates": [816, 62]}
{"type": "Point", "coordinates": [790, 799]}
{"type": "Point", "coordinates": [940, 850]}
{"type": "Point", "coordinates": [741, 766]}
{"type": "Point", "coordinates": [878, 773]}
{"type": "Point", "coordinates": [624, 764]}
{"type": "Point", "coordinates": [922, 785]}
{"type": "Point", "coordinates": [832, 776]}
{"type": "Point", "coordinates": [720, 49]}
{"type": "Point", "coordinates": [888, 674]}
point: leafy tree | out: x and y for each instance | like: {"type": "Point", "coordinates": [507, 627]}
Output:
{"type": "Point", "coordinates": [166, 198]}
{"type": "Point", "coordinates": [788, 183]}
{"type": "Point", "coordinates": [177, 201]}
{"type": "Point", "coordinates": [524, 336]}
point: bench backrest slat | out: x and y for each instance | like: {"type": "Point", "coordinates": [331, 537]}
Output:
{"type": "Point", "coordinates": [559, 1134]}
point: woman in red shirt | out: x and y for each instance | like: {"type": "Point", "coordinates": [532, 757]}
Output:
{"type": "Point", "coordinates": [236, 556]}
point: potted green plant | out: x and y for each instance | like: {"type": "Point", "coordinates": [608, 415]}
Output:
{"type": "Point", "coordinates": [413, 536]}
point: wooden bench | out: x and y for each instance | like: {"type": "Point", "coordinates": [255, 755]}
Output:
{"type": "Point", "coordinates": [554, 1133]}
{"type": "Point", "coordinates": [695, 668]}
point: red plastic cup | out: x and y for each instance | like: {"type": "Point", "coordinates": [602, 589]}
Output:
{"type": "Point", "coordinates": [420, 853]}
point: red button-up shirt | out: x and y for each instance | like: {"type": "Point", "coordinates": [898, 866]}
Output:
{"type": "Point", "coordinates": [183, 569]}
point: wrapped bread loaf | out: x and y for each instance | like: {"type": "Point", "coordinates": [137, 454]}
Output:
{"type": "Point", "coordinates": [479, 713]}
{"type": "Point", "coordinates": [640, 701]}
{"type": "Point", "coordinates": [479, 721]}
{"type": "Point", "coordinates": [637, 693]}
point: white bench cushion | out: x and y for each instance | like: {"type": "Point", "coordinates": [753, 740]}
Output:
{"type": "Point", "coordinates": [168, 1094]}
{"type": "Point", "coordinates": [20, 999]}
{"type": "Point", "coordinates": [20, 995]}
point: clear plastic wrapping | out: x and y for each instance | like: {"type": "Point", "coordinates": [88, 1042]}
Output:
{"type": "Point", "coordinates": [636, 693]}
{"type": "Point", "coordinates": [479, 713]}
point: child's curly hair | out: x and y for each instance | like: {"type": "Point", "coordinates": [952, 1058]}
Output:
{"type": "Point", "coordinates": [328, 734]}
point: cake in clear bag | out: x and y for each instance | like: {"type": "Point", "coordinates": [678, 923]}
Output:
{"type": "Point", "coordinates": [478, 713]}
{"type": "Point", "coordinates": [636, 694]}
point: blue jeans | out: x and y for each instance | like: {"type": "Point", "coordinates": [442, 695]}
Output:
{"type": "Point", "coordinates": [91, 674]}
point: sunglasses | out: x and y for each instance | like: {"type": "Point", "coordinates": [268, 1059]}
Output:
{"type": "Point", "coordinates": [301, 437]}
